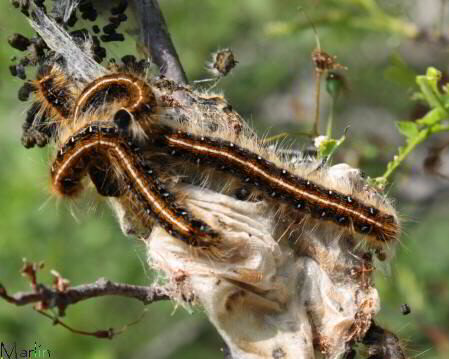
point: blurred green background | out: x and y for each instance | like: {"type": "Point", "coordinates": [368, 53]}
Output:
{"type": "Point", "coordinates": [273, 87]}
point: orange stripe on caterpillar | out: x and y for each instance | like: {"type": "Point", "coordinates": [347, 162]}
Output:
{"type": "Point", "coordinates": [91, 142]}
{"type": "Point", "coordinates": [278, 183]}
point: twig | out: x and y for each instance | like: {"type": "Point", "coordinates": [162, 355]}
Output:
{"type": "Point", "coordinates": [61, 295]}
{"type": "Point", "coordinates": [155, 35]}
{"type": "Point", "coordinates": [316, 124]}
{"type": "Point", "coordinates": [48, 298]}
{"type": "Point", "coordinates": [102, 333]}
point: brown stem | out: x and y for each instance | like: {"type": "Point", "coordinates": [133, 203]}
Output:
{"type": "Point", "coordinates": [61, 295]}
{"type": "Point", "coordinates": [49, 297]}
{"type": "Point", "coordinates": [101, 333]}
{"type": "Point", "coordinates": [155, 35]}
{"type": "Point", "coordinates": [316, 125]}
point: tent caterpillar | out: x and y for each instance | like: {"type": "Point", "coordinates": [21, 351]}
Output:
{"type": "Point", "coordinates": [141, 182]}
{"type": "Point", "coordinates": [376, 223]}
{"type": "Point", "coordinates": [132, 96]}
{"type": "Point", "coordinates": [54, 97]}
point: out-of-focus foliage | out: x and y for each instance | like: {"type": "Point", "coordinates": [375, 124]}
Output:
{"type": "Point", "coordinates": [433, 122]}
{"type": "Point", "coordinates": [384, 47]}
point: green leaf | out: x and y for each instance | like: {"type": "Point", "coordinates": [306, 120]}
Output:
{"type": "Point", "coordinates": [327, 147]}
{"type": "Point", "coordinates": [439, 128]}
{"type": "Point", "coordinates": [428, 84]}
{"type": "Point", "coordinates": [433, 117]}
{"type": "Point", "coordinates": [433, 74]}
{"type": "Point", "coordinates": [407, 128]}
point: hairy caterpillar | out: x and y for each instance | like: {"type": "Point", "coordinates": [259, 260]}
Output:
{"type": "Point", "coordinates": [125, 90]}
{"type": "Point", "coordinates": [141, 182]}
{"type": "Point", "coordinates": [54, 95]}
{"type": "Point", "coordinates": [307, 193]}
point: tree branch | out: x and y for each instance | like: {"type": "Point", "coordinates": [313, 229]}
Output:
{"type": "Point", "coordinates": [63, 296]}
{"type": "Point", "coordinates": [155, 35]}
